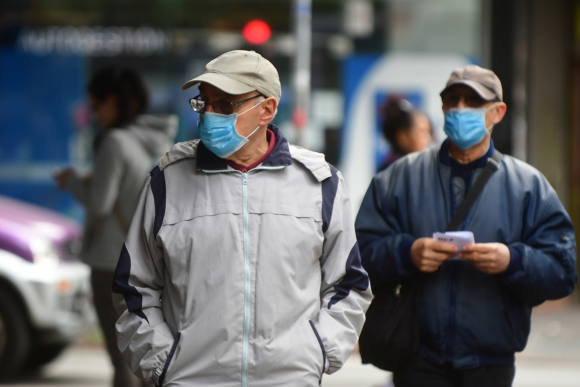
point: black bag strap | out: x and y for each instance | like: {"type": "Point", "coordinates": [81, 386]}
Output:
{"type": "Point", "coordinates": [491, 166]}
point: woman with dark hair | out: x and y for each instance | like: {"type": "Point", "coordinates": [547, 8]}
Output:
{"type": "Point", "coordinates": [126, 147]}
{"type": "Point", "coordinates": [406, 129]}
{"type": "Point", "coordinates": [117, 96]}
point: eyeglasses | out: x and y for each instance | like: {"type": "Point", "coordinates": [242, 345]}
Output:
{"type": "Point", "coordinates": [451, 99]}
{"type": "Point", "coordinates": [222, 107]}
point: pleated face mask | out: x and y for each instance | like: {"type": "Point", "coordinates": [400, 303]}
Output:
{"type": "Point", "coordinates": [218, 132]}
{"type": "Point", "coordinates": [465, 127]}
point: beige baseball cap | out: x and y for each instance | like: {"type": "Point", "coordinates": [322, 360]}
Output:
{"type": "Point", "coordinates": [239, 72]}
{"type": "Point", "coordinates": [483, 81]}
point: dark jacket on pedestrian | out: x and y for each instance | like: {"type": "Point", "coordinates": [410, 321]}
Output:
{"type": "Point", "coordinates": [469, 318]}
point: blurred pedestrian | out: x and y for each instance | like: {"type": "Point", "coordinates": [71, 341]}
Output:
{"type": "Point", "coordinates": [405, 127]}
{"type": "Point", "coordinates": [474, 312]}
{"type": "Point", "coordinates": [125, 148]}
{"type": "Point", "coordinates": [241, 267]}
{"type": "Point", "coordinates": [407, 130]}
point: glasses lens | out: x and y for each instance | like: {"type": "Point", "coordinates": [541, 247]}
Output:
{"type": "Point", "coordinates": [452, 100]}
{"type": "Point", "coordinates": [222, 107]}
{"type": "Point", "coordinates": [197, 105]}
{"type": "Point", "coordinates": [474, 101]}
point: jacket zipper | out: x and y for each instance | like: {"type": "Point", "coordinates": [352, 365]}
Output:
{"type": "Point", "coordinates": [247, 267]}
{"type": "Point", "coordinates": [247, 271]}
{"type": "Point", "coordinates": [247, 284]}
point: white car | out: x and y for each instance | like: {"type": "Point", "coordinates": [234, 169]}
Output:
{"type": "Point", "coordinates": [44, 288]}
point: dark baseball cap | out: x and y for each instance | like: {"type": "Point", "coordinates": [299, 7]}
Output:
{"type": "Point", "coordinates": [483, 81]}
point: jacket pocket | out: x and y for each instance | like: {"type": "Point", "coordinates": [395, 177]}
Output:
{"type": "Point", "coordinates": [321, 348]}
{"type": "Point", "coordinates": [169, 358]}
{"type": "Point", "coordinates": [519, 319]}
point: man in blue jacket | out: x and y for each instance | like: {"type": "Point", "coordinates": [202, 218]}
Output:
{"type": "Point", "coordinates": [475, 310]}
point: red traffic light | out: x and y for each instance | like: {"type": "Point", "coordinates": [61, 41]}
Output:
{"type": "Point", "coordinates": [256, 32]}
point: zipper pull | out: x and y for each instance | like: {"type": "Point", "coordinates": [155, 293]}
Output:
{"type": "Point", "coordinates": [244, 178]}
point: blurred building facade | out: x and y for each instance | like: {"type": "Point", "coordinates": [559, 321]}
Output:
{"type": "Point", "coordinates": [48, 49]}
{"type": "Point", "coordinates": [535, 48]}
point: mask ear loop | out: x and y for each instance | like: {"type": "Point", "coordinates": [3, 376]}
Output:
{"type": "Point", "coordinates": [492, 106]}
{"type": "Point", "coordinates": [486, 109]}
{"type": "Point", "coordinates": [255, 106]}
{"type": "Point", "coordinates": [252, 132]}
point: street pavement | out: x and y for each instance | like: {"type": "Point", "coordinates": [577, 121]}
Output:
{"type": "Point", "coordinates": [551, 359]}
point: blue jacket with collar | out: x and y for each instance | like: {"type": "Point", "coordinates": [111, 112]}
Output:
{"type": "Point", "coordinates": [469, 318]}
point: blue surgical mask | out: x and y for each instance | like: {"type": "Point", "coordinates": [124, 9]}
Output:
{"type": "Point", "coordinates": [465, 127]}
{"type": "Point", "coordinates": [218, 132]}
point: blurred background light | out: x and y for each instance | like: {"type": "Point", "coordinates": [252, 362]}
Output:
{"type": "Point", "coordinates": [257, 32]}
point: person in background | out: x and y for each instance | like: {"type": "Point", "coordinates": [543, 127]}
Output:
{"type": "Point", "coordinates": [406, 129]}
{"type": "Point", "coordinates": [474, 311]}
{"type": "Point", "coordinates": [125, 149]}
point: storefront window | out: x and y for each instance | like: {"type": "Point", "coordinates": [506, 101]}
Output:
{"type": "Point", "coordinates": [440, 26]}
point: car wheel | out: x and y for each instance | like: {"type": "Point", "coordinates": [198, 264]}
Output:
{"type": "Point", "coordinates": [14, 335]}
{"type": "Point", "coordinates": [42, 354]}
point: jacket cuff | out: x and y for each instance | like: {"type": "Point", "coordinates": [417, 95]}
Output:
{"type": "Point", "coordinates": [157, 373]}
{"type": "Point", "coordinates": [405, 254]}
{"type": "Point", "coordinates": [515, 266]}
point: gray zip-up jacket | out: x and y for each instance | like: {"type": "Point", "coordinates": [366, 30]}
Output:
{"type": "Point", "coordinates": [240, 279]}
{"type": "Point", "coordinates": [122, 163]}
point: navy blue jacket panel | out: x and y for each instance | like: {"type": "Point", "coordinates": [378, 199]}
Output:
{"type": "Point", "coordinates": [467, 317]}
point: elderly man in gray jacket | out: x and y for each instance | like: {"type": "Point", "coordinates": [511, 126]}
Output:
{"type": "Point", "coordinates": [241, 267]}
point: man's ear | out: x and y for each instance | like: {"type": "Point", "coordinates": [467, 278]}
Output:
{"type": "Point", "coordinates": [501, 109]}
{"type": "Point", "coordinates": [270, 105]}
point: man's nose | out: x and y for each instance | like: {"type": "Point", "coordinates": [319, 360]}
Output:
{"type": "Point", "coordinates": [208, 108]}
{"type": "Point", "coordinates": [461, 103]}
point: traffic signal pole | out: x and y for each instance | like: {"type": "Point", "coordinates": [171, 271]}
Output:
{"type": "Point", "coordinates": [301, 76]}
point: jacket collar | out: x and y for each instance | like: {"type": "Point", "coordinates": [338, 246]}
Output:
{"type": "Point", "coordinates": [446, 159]}
{"type": "Point", "coordinates": [280, 155]}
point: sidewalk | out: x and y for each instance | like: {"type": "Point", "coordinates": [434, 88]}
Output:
{"type": "Point", "coordinates": [551, 358]}
{"type": "Point", "coordinates": [555, 334]}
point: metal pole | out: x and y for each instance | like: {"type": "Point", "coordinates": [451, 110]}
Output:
{"type": "Point", "coordinates": [521, 81]}
{"type": "Point", "coordinates": [301, 78]}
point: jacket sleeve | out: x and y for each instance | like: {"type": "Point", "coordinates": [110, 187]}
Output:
{"type": "Point", "coordinates": [143, 336]}
{"type": "Point", "coordinates": [385, 247]}
{"type": "Point", "coordinates": [100, 193]}
{"type": "Point", "coordinates": [543, 264]}
{"type": "Point", "coordinates": [345, 289]}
